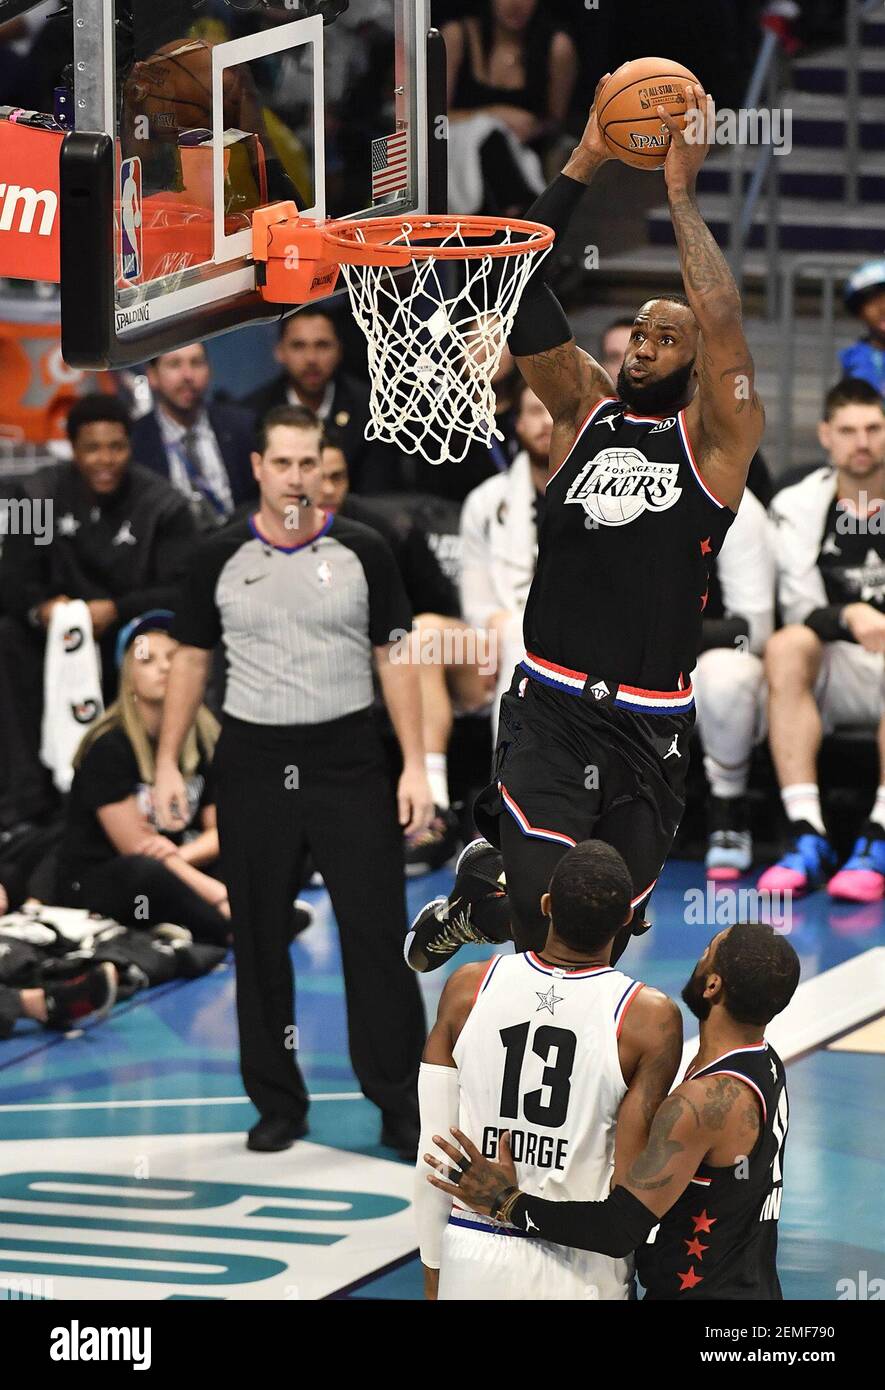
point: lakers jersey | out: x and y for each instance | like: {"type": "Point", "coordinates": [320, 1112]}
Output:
{"type": "Point", "coordinates": [538, 1058]}
{"type": "Point", "coordinates": [630, 531]}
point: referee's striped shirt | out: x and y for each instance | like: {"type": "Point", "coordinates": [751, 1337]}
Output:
{"type": "Point", "coordinates": [298, 622]}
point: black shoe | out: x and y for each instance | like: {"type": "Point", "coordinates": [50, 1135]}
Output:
{"type": "Point", "coordinates": [476, 912]}
{"type": "Point", "coordinates": [86, 998]}
{"type": "Point", "coordinates": [730, 843]}
{"type": "Point", "coordinates": [402, 1135]}
{"type": "Point", "coordinates": [303, 916]}
{"type": "Point", "coordinates": [273, 1133]}
{"type": "Point", "coordinates": [427, 850]}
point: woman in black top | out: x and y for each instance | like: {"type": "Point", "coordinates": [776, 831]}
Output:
{"type": "Point", "coordinates": [113, 860]}
{"type": "Point", "coordinates": [512, 63]}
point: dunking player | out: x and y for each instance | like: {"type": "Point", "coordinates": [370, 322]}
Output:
{"type": "Point", "coordinates": [643, 485]}
{"type": "Point", "coordinates": [712, 1171]}
{"type": "Point", "coordinates": [575, 1056]}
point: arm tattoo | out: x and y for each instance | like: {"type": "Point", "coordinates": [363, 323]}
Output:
{"type": "Point", "coordinates": [704, 268]}
{"type": "Point", "coordinates": [722, 1093]}
{"type": "Point", "coordinates": [645, 1171]}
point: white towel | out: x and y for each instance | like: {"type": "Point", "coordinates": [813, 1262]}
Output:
{"type": "Point", "coordinates": [466, 139]}
{"type": "Point", "coordinates": [71, 688]}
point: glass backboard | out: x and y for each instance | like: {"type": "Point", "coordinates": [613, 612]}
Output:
{"type": "Point", "coordinates": [189, 114]}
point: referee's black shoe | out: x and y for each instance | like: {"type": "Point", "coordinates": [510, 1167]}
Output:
{"type": "Point", "coordinates": [273, 1133]}
{"type": "Point", "coordinates": [476, 912]}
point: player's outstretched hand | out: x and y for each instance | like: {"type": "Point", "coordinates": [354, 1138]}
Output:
{"type": "Point", "coordinates": [690, 146]}
{"type": "Point", "coordinates": [478, 1180]}
{"type": "Point", "coordinates": [592, 141]}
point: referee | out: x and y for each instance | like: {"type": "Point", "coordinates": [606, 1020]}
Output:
{"type": "Point", "coordinates": [301, 599]}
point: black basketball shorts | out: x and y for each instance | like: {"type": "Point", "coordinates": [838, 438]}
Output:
{"type": "Point", "coordinates": [573, 767]}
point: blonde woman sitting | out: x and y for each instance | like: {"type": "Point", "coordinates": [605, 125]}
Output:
{"type": "Point", "coordinates": [112, 858]}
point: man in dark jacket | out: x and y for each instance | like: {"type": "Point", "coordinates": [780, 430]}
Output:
{"type": "Point", "coordinates": [201, 447]}
{"type": "Point", "coordinates": [99, 528]}
{"type": "Point", "coordinates": [310, 353]}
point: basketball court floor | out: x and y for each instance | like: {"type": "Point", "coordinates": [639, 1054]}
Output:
{"type": "Point", "coordinates": [125, 1174]}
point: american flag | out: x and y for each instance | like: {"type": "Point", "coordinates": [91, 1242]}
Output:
{"type": "Point", "coordinates": [390, 165]}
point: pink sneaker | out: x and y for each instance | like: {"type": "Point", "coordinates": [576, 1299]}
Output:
{"type": "Point", "coordinates": [805, 867]}
{"type": "Point", "coordinates": [862, 877]}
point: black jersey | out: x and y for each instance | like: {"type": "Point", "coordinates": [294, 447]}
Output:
{"type": "Point", "coordinates": [629, 534]}
{"type": "Point", "coordinates": [851, 558]}
{"type": "Point", "coordinates": [719, 1241]}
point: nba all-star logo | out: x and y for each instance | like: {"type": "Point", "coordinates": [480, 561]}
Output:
{"type": "Point", "coordinates": [618, 485]}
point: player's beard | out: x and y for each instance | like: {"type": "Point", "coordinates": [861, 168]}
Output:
{"type": "Point", "coordinates": [666, 395]}
{"type": "Point", "coordinates": [693, 996]}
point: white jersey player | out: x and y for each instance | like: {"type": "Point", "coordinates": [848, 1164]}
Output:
{"type": "Point", "coordinates": [569, 1056]}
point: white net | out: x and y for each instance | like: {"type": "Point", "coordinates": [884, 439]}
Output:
{"type": "Point", "coordinates": [435, 339]}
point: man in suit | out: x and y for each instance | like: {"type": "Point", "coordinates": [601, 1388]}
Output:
{"type": "Point", "coordinates": [310, 353]}
{"type": "Point", "coordinates": [201, 447]}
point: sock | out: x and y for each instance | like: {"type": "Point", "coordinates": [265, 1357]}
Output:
{"type": "Point", "coordinates": [802, 802]}
{"type": "Point", "coordinates": [877, 815]}
{"type": "Point", "coordinates": [437, 768]}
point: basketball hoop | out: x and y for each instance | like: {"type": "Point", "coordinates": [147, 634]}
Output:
{"type": "Point", "coordinates": [435, 338]}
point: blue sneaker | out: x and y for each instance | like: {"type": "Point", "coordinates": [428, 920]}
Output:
{"type": "Point", "coordinates": [862, 877]}
{"type": "Point", "coordinates": [806, 866]}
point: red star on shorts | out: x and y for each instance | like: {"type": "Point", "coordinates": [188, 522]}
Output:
{"type": "Point", "coordinates": [689, 1279]}
{"type": "Point", "coordinates": [706, 547]}
{"type": "Point", "coordinates": [704, 598]}
{"type": "Point", "coordinates": [695, 1249]}
{"type": "Point", "coordinates": [704, 1222]}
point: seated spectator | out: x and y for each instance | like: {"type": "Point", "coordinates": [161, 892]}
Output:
{"type": "Point", "coordinates": [455, 481]}
{"type": "Point", "coordinates": [729, 680]}
{"type": "Point", "coordinates": [428, 588]}
{"type": "Point", "coordinates": [511, 75]}
{"type": "Point", "coordinates": [201, 447]}
{"type": "Point", "coordinates": [112, 859]}
{"type": "Point", "coordinates": [110, 533]}
{"type": "Point", "coordinates": [825, 668]}
{"type": "Point", "coordinates": [865, 298]}
{"type": "Point", "coordinates": [310, 353]}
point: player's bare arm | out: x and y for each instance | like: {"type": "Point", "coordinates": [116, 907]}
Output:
{"type": "Point", "coordinates": [650, 1049]}
{"type": "Point", "coordinates": [455, 1004]}
{"type": "Point", "coordinates": [725, 420]}
{"type": "Point", "coordinates": [568, 380]}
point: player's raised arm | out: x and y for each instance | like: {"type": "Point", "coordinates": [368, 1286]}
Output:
{"type": "Point", "coordinates": [726, 419]}
{"type": "Point", "coordinates": [567, 379]}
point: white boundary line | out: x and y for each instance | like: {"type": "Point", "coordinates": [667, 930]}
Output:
{"type": "Point", "coordinates": [157, 1104]}
{"type": "Point", "coordinates": [823, 1008]}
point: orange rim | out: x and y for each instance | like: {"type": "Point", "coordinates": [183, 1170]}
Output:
{"type": "Point", "coordinates": [380, 233]}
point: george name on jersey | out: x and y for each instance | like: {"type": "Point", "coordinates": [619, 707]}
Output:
{"type": "Point", "coordinates": [618, 485]}
{"type": "Point", "coordinates": [540, 1150]}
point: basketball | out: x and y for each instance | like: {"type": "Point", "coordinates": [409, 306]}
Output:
{"type": "Point", "coordinates": [627, 109]}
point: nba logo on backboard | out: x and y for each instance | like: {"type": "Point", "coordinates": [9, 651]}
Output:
{"type": "Point", "coordinates": [131, 260]}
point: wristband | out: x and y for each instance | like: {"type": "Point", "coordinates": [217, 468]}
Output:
{"type": "Point", "coordinates": [502, 1197]}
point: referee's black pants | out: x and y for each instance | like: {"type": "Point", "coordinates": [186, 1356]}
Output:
{"type": "Point", "coordinates": [281, 791]}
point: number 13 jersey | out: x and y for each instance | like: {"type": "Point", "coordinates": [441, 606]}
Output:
{"type": "Point", "coordinates": [538, 1057]}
